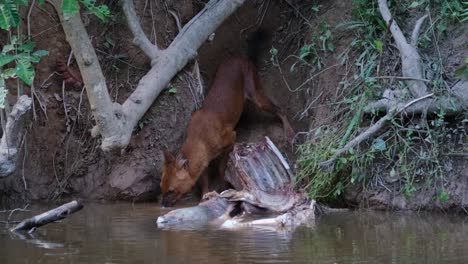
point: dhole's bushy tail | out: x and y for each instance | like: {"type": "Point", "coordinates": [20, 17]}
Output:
{"type": "Point", "coordinates": [255, 43]}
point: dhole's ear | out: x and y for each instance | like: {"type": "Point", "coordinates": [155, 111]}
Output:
{"type": "Point", "coordinates": [168, 157]}
{"type": "Point", "coordinates": [181, 161]}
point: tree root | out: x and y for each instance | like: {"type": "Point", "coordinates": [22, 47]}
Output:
{"type": "Point", "coordinates": [11, 135]}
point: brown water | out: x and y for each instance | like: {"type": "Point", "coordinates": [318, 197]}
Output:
{"type": "Point", "coordinates": [126, 233]}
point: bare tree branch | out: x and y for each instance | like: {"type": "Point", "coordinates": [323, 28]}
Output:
{"type": "Point", "coordinates": [140, 39]}
{"type": "Point", "coordinates": [454, 103]}
{"type": "Point", "coordinates": [48, 217]}
{"type": "Point", "coordinates": [417, 28]}
{"type": "Point", "coordinates": [410, 59]}
{"type": "Point", "coordinates": [115, 122]}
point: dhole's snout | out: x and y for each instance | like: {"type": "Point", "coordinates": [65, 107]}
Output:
{"type": "Point", "coordinates": [169, 199]}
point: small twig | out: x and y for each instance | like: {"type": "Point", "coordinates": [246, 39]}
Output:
{"type": "Point", "coordinates": [28, 20]}
{"type": "Point", "coordinates": [176, 18]}
{"type": "Point", "coordinates": [299, 13]}
{"type": "Point", "coordinates": [306, 110]}
{"type": "Point", "coordinates": [41, 104]}
{"type": "Point", "coordinates": [370, 131]}
{"type": "Point", "coordinates": [63, 89]}
{"type": "Point", "coordinates": [259, 21]}
{"type": "Point", "coordinates": [17, 210]}
{"type": "Point", "coordinates": [313, 77]}
{"type": "Point", "coordinates": [417, 28]}
{"type": "Point", "coordinates": [25, 153]}
{"type": "Point", "coordinates": [401, 78]}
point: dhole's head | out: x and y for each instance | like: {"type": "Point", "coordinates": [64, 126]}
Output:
{"type": "Point", "coordinates": [175, 180]}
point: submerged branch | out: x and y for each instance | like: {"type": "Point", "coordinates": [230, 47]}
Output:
{"type": "Point", "coordinates": [53, 215]}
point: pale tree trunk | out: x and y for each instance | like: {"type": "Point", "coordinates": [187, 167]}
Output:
{"type": "Point", "coordinates": [115, 122]}
{"type": "Point", "coordinates": [11, 134]}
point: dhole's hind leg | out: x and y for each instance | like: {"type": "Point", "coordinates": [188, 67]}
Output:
{"type": "Point", "coordinates": [230, 140]}
{"type": "Point", "coordinates": [256, 94]}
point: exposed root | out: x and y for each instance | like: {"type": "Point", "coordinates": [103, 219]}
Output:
{"type": "Point", "coordinates": [11, 135]}
{"type": "Point", "coordinates": [410, 59]}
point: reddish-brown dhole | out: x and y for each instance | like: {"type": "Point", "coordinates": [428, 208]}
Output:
{"type": "Point", "coordinates": [210, 132]}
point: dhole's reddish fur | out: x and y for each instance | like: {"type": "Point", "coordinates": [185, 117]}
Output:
{"type": "Point", "coordinates": [211, 132]}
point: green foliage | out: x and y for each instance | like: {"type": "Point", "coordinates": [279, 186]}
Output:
{"type": "Point", "coordinates": [462, 72]}
{"type": "Point", "coordinates": [101, 11]}
{"type": "Point", "coordinates": [9, 10]}
{"type": "Point", "coordinates": [9, 13]}
{"type": "Point", "coordinates": [70, 7]}
{"type": "Point", "coordinates": [310, 53]}
{"type": "Point", "coordinates": [445, 12]}
{"type": "Point", "coordinates": [172, 90]}
{"type": "Point", "coordinates": [18, 57]}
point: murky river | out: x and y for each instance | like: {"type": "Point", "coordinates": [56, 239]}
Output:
{"type": "Point", "coordinates": [126, 233]}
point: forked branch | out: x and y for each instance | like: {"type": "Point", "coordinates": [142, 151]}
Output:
{"type": "Point", "coordinates": [140, 39]}
{"type": "Point", "coordinates": [410, 59]}
{"type": "Point", "coordinates": [115, 122]}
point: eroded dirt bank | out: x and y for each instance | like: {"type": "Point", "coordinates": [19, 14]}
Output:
{"type": "Point", "coordinates": [60, 159]}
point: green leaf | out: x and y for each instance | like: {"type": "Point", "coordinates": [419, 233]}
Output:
{"type": "Point", "coordinates": [462, 72]}
{"type": "Point", "coordinates": [9, 15]}
{"type": "Point", "coordinates": [25, 71]}
{"type": "Point", "coordinates": [9, 73]}
{"type": "Point", "coordinates": [14, 13]}
{"type": "Point", "coordinates": [8, 48]}
{"type": "Point", "coordinates": [28, 47]}
{"type": "Point", "coordinates": [378, 45]}
{"type": "Point", "coordinates": [414, 4]}
{"type": "Point", "coordinates": [305, 51]}
{"type": "Point", "coordinates": [379, 144]}
{"type": "Point", "coordinates": [40, 53]}
{"type": "Point", "coordinates": [172, 90]}
{"type": "Point", "coordinates": [444, 196]}
{"type": "Point", "coordinates": [4, 17]}
{"type": "Point", "coordinates": [273, 51]}
{"type": "Point", "coordinates": [70, 7]}
{"type": "Point", "coordinates": [5, 59]}
{"type": "Point", "coordinates": [22, 2]}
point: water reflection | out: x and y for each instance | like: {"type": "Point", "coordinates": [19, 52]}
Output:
{"type": "Point", "coordinates": [126, 233]}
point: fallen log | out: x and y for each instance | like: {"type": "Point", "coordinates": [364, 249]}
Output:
{"type": "Point", "coordinates": [263, 194]}
{"type": "Point", "coordinates": [53, 215]}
